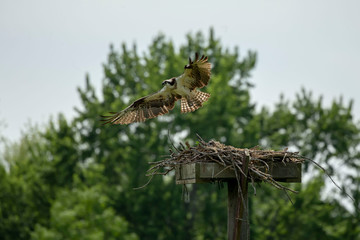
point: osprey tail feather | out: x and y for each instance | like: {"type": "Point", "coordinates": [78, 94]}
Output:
{"type": "Point", "coordinates": [194, 101]}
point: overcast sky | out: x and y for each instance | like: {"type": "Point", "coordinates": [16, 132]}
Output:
{"type": "Point", "coordinates": [47, 47]}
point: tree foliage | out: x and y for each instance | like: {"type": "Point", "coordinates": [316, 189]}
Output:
{"type": "Point", "coordinates": [76, 178]}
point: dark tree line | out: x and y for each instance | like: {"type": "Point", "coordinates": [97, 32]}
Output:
{"type": "Point", "coordinates": [76, 178]}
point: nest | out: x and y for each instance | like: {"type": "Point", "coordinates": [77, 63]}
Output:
{"type": "Point", "coordinates": [252, 164]}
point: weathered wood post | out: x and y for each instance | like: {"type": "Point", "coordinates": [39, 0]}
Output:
{"type": "Point", "coordinates": [238, 221]}
{"type": "Point", "coordinates": [206, 172]}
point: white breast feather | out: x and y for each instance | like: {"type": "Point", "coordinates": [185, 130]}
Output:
{"type": "Point", "coordinates": [181, 89]}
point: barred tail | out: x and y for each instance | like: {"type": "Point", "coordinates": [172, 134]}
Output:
{"type": "Point", "coordinates": [194, 101]}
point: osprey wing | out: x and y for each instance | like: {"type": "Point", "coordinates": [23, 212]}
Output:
{"type": "Point", "coordinates": [144, 108]}
{"type": "Point", "coordinates": [197, 73]}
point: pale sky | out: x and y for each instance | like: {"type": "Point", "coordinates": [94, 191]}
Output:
{"type": "Point", "coordinates": [47, 47]}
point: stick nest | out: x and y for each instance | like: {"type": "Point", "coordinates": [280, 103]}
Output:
{"type": "Point", "coordinates": [253, 161]}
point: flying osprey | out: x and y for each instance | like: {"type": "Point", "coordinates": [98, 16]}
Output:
{"type": "Point", "coordinates": [196, 75]}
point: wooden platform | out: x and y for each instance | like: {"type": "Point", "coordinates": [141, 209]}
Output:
{"type": "Point", "coordinates": [238, 221]}
{"type": "Point", "coordinates": [206, 172]}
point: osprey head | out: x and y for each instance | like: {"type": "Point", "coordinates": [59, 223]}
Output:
{"type": "Point", "coordinates": [170, 82]}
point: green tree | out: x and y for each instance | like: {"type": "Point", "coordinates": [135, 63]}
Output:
{"type": "Point", "coordinates": [329, 136]}
{"type": "Point", "coordinates": [83, 214]}
{"type": "Point", "coordinates": [24, 198]}
{"type": "Point", "coordinates": [125, 150]}
{"type": "Point", "coordinates": [65, 179]}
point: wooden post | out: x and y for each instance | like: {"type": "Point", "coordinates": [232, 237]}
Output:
{"type": "Point", "coordinates": [238, 222]}
{"type": "Point", "coordinates": [238, 227]}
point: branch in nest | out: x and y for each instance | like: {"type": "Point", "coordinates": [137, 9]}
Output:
{"type": "Point", "coordinates": [231, 158]}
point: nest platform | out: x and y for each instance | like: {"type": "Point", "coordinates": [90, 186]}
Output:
{"type": "Point", "coordinates": [214, 161]}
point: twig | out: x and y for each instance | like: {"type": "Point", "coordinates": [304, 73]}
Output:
{"type": "Point", "coordinates": [323, 169]}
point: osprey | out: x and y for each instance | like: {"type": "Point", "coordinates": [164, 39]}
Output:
{"type": "Point", "coordinates": [184, 87]}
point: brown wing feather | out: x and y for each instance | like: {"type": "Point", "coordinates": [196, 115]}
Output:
{"type": "Point", "coordinates": [197, 73]}
{"type": "Point", "coordinates": [144, 108]}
